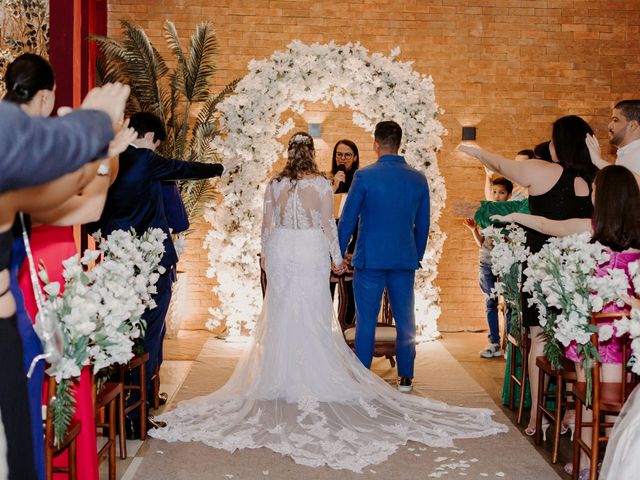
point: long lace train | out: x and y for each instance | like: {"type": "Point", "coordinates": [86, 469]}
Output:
{"type": "Point", "coordinates": [300, 391]}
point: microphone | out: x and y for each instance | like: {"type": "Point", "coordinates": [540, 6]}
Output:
{"type": "Point", "coordinates": [341, 168]}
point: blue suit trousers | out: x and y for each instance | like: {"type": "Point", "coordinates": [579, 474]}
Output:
{"type": "Point", "coordinates": [368, 286]}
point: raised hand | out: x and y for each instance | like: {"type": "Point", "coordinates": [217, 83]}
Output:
{"type": "Point", "coordinates": [111, 98]}
{"type": "Point", "coordinates": [121, 141]}
{"type": "Point", "coordinates": [470, 223]}
{"type": "Point", "coordinates": [469, 150]}
{"type": "Point", "coordinates": [594, 149]}
{"type": "Point", "coordinates": [633, 302]}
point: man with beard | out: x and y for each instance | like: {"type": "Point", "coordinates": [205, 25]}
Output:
{"type": "Point", "coordinates": [624, 133]}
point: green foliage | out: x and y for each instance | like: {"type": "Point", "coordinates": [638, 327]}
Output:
{"type": "Point", "coordinates": [173, 95]}
{"type": "Point", "coordinates": [63, 405]}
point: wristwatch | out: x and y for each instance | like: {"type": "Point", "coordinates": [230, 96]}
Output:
{"type": "Point", "coordinates": [103, 169]}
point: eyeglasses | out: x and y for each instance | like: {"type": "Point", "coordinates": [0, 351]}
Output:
{"type": "Point", "coordinates": [346, 156]}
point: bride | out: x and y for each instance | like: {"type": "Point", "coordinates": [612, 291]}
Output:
{"type": "Point", "coordinates": [299, 390]}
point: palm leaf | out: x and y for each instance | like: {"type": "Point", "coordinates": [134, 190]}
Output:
{"type": "Point", "coordinates": [146, 66]}
{"type": "Point", "coordinates": [173, 41]}
{"type": "Point", "coordinates": [201, 65]}
{"type": "Point", "coordinates": [196, 195]}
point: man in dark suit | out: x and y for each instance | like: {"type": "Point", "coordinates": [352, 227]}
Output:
{"type": "Point", "coordinates": [390, 202]}
{"type": "Point", "coordinates": [135, 201]}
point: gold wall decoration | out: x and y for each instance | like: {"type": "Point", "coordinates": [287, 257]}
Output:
{"type": "Point", "coordinates": [24, 27]}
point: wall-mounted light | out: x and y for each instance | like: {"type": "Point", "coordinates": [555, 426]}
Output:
{"type": "Point", "coordinates": [314, 129]}
{"type": "Point", "coordinates": [468, 133]}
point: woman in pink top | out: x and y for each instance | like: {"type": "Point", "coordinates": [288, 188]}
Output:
{"type": "Point", "coordinates": [616, 225]}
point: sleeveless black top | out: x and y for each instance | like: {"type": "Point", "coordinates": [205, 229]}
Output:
{"type": "Point", "coordinates": [559, 203]}
{"type": "Point", "coordinates": [6, 245]}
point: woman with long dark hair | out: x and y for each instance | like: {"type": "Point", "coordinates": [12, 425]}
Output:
{"type": "Point", "coordinates": [558, 190]}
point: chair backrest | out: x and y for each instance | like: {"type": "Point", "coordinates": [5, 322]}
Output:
{"type": "Point", "coordinates": [628, 379]}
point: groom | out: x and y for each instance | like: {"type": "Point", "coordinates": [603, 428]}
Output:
{"type": "Point", "coordinates": [390, 202]}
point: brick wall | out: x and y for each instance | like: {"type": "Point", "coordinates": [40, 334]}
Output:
{"type": "Point", "coordinates": [509, 67]}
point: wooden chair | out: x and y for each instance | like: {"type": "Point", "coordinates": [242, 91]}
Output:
{"type": "Point", "coordinates": [139, 361]}
{"type": "Point", "coordinates": [155, 383]}
{"type": "Point", "coordinates": [522, 344]}
{"type": "Point", "coordinates": [563, 376]}
{"type": "Point", "coordinates": [607, 399]}
{"type": "Point", "coordinates": [109, 397]}
{"type": "Point", "coordinates": [385, 336]}
{"type": "Point", "coordinates": [68, 442]}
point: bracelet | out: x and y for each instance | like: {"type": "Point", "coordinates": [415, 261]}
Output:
{"type": "Point", "coordinates": [103, 170]}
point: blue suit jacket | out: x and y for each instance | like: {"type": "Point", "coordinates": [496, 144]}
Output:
{"type": "Point", "coordinates": [135, 198]}
{"type": "Point", "coordinates": [390, 202]}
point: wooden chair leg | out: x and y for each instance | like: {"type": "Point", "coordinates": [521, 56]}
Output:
{"type": "Point", "coordinates": [143, 405]}
{"type": "Point", "coordinates": [156, 388]}
{"type": "Point", "coordinates": [72, 459]}
{"type": "Point", "coordinates": [112, 441]}
{"type": "Point", "coordinates": [576, 440]}
{"type": "Point", "coordinates": [595, 444]}
{"type": "Point", "coordinates": [557, 419]}
{"type": "Point", "coordinates": [540, 401]}
{"type": "Point", "coordinates": [122, 433]}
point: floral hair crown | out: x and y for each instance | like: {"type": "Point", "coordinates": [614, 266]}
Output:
{"type": "Point", "coordinates": [299, 138]}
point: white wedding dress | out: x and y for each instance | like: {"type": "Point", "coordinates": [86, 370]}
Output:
{"type": "Point", "coordinates": [298, 389]}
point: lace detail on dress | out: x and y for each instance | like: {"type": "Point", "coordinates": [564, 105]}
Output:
{"type": "Point", "coordinates": [302, 205]}
{"type": "Point", "coordinates": [298, 389]}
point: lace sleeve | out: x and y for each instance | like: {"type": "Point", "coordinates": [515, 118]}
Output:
{"type": "Point", "coordinates": [268, 221]}
{"type": "Point", "coordinates": [328, 224]}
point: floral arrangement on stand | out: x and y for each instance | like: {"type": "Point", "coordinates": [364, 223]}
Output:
{"type": "Point", "coordinates": [98, 314]}
{"type": "Point", "coordinates": [631, 325]}
{"type": "Point", "coordinates": [507, 256]}
{"type": "Point", "coordinates": [375, 87]}
{"type": "Point", "coordinates": [561, 278]}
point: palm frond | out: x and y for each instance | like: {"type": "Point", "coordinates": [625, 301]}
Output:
{"type": "Point", "coordinates": [146, 66]}
{"type": "Point", "coordinates": [175, 47]}
{"type": "Point", "coordinates": [196, 195]}
{"type": "Point", "coordinates": [201, 65]}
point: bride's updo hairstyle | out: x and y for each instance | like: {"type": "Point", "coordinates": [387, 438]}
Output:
{"type": "Point", "coordinates": [301, 158]}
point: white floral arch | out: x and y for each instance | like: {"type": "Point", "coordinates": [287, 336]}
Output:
{"type": "Point", "coordinates": [375, 87]}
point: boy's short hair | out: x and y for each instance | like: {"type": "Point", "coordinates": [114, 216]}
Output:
{"type": "Point", "coordinates": [145, 122]}
{"type": "Point", "coordinates": [508, 184]}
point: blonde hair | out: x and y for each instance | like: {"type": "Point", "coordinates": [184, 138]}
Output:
{"type": "Point", "coordinates": [301, 158]}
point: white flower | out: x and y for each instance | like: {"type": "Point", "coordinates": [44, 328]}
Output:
{"type": "Point", "coordinates": [373, 86]}
{"type": "Point", "coordinates": [605, 332]}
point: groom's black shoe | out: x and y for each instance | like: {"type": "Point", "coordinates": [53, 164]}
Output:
{"type": "Point", "coordinates": [405, 385]}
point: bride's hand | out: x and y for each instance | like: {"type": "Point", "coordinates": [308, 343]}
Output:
{"type": "Point", "coordinates": [339, 269]}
